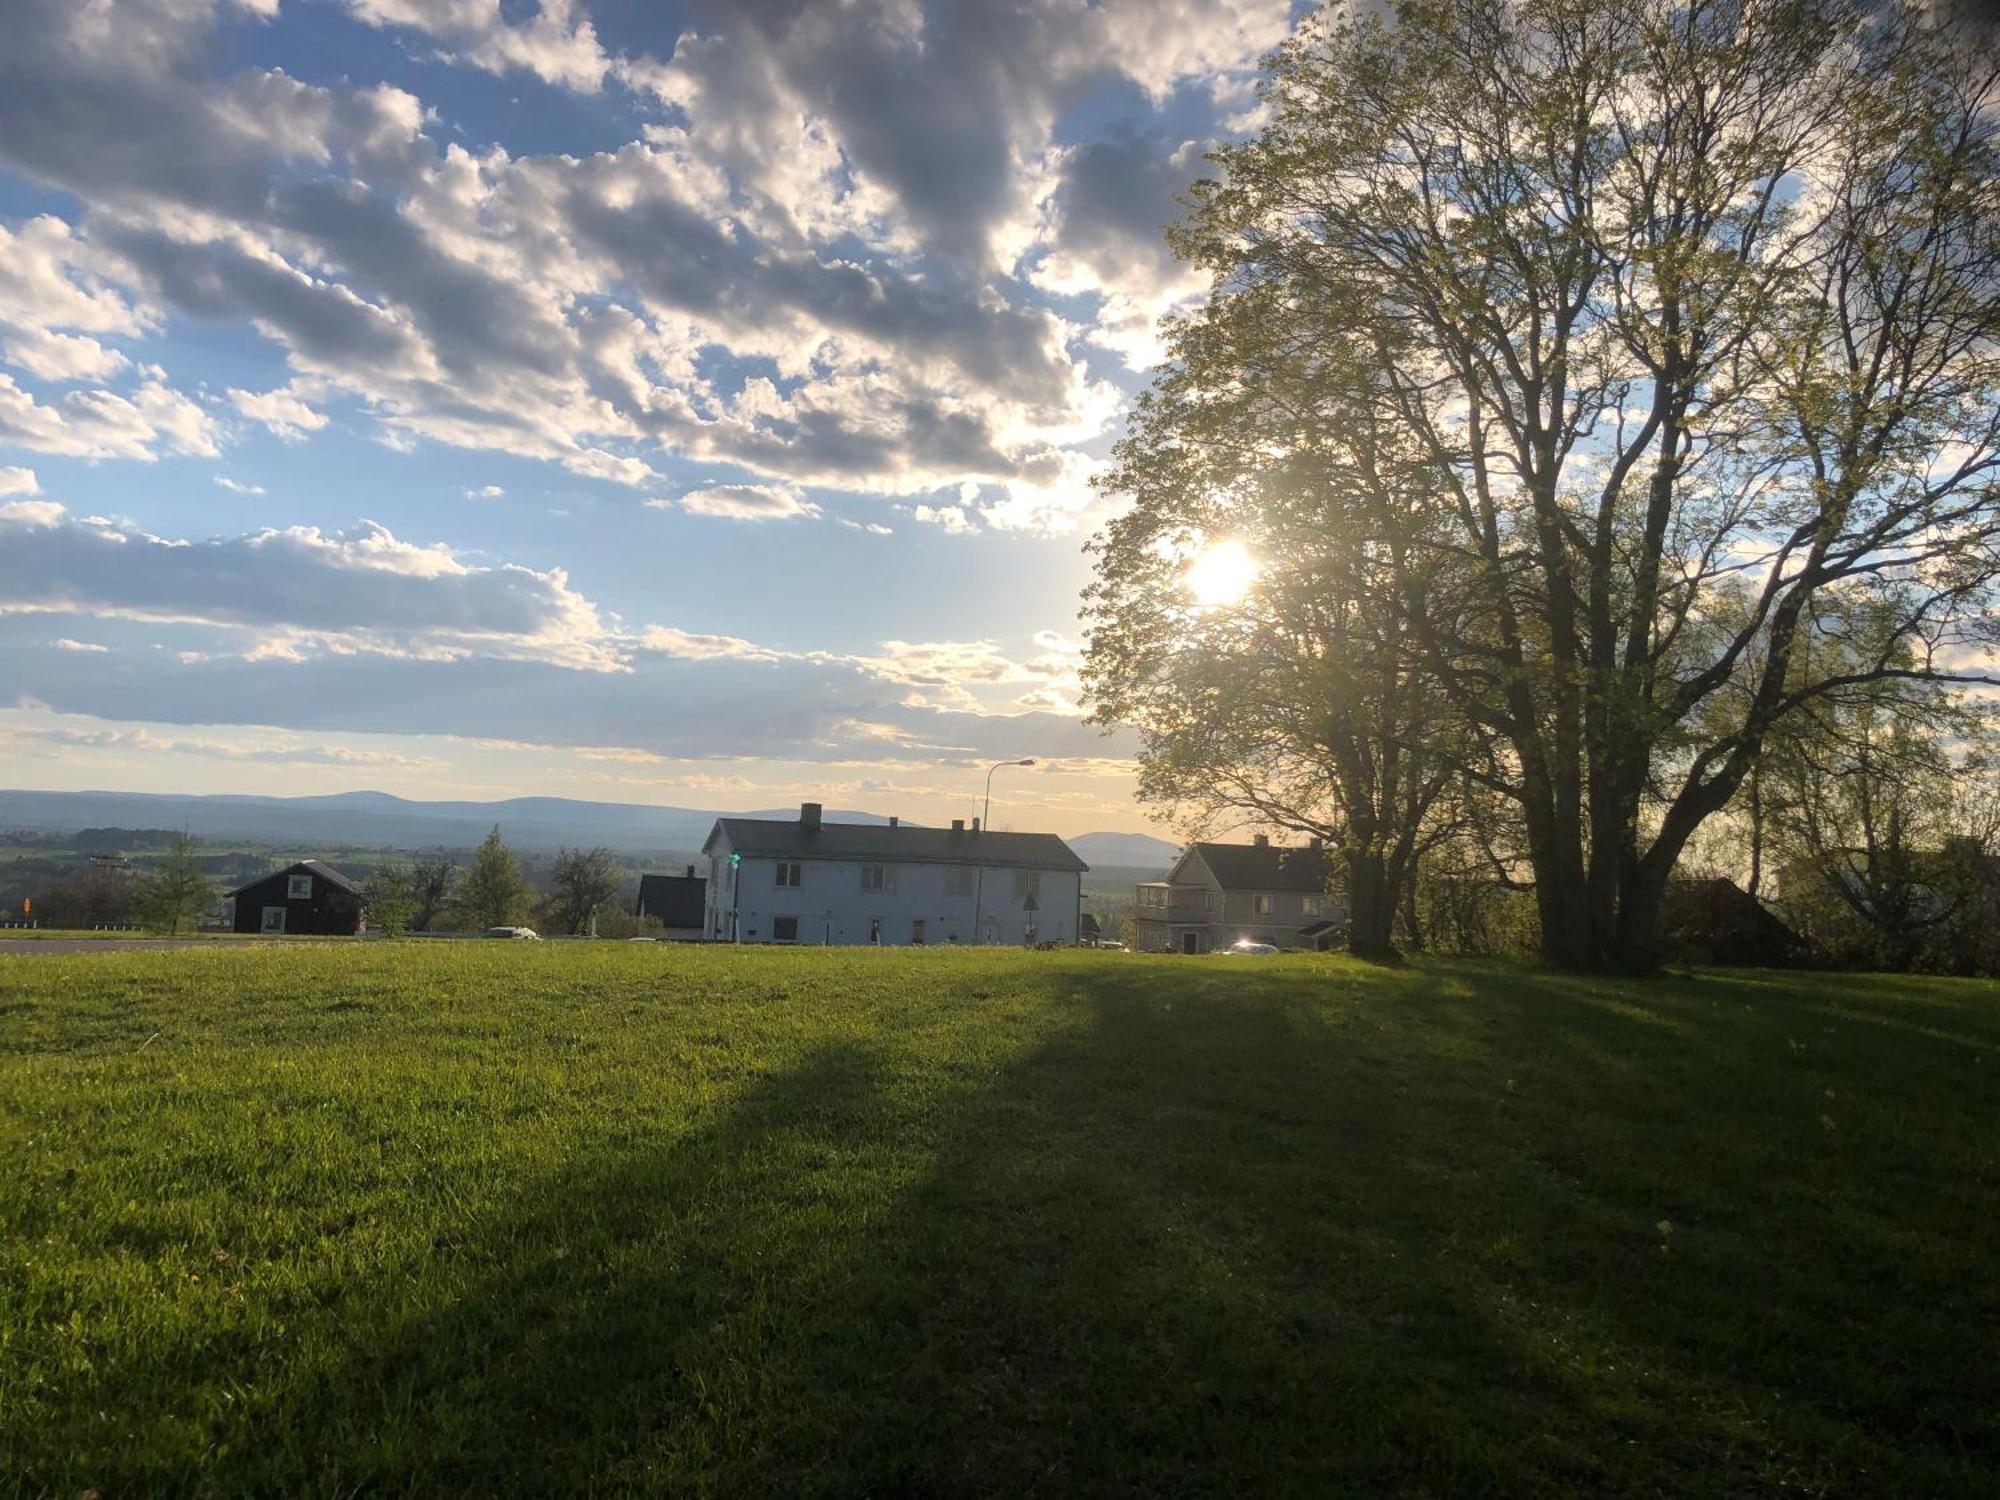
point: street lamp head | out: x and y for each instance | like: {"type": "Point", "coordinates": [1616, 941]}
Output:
{"type": "Point", "coordinates": [1028, 762]}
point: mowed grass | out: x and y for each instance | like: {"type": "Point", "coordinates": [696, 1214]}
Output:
{"type": "Point", "coordinates": [470, 1219]}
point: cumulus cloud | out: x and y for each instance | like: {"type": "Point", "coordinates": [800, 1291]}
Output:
{"type": "Point", "coordinates": [747, 502]}
{"type": "Point", "coordinates": [100, 423]}
{"type": "Point", "coordinates": [284, 411]}
{"type": "Point", "coordinates": [838, 196]}
{"type": "Point", "coordinates": [362, 589]}
{"type": "Point", "coordinates": [237, 486]}
{"type": "Point", "coordinates": [18, 481]}
{"type": "Point", "coordinates": [485, 492]}
{"type": "Point", "coordinates": [950, 518]}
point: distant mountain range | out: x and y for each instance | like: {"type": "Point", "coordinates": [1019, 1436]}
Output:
{"type": "Point", "coordinates": [372, 818]}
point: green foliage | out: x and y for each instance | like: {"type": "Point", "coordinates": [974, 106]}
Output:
{"type": "Point", "coordinates": [177, 893]}
{"type": "Point", "coordinates": [482, 1218]}
{"type": "Point", "coordinates": [584, 881]}
{"type": "Point", "coordinates": [493, 892]}
{"type": "Point", "coordinates": [388, 902]}
{"type": "Point", "coordinates": [430, 884]}
{"type": "Point", "coordinates": [1608, 342]}
{"type": "Point", "coordinates": [616, 922]}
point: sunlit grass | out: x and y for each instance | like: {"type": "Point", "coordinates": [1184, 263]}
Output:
{"type": "Point", "coordinates": [463, 1218]}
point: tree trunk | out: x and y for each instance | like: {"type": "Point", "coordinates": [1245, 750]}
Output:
{"type": "Point", "coordinates": [1371, 906]}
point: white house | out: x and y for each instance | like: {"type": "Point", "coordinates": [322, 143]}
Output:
{"type": "Point", "coordinates": [1218, 893]}
{"type": "Point", "coordinates": [810, 881]}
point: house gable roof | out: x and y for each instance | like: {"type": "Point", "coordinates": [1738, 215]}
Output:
{"type": "Point", "coordinates": [1266, 867]}
{"type": "Point", "coordinates": [788, 839]}
{"type": "Point", "coordinates": [677, 900]}
{"type": "Point", "coordinates": [325, 872]}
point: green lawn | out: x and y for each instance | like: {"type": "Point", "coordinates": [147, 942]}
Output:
{"type": "Point", "coordinates": [504, 1219]}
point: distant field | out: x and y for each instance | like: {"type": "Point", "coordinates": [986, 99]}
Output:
{"type": "Point", "coordinates": [506, 1219]}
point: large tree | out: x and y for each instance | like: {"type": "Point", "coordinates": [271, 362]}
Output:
{"type": "Point", "coordinates": [1679, 321]}
{"type": "Point", "coordinates": [493, 892]}
{"type": "Point", "coordinates": [584, 880]}
{"type": "Point", "coordinates": [1297, 698]}
{"type": "Point", "coordinates": [177, 893]}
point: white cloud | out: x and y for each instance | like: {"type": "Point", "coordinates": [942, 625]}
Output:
{"type": "Point", "coordinates": [18, 481]}
{"type": "Point", "coordinates": [284, 411]}
{"type": "Point", "coordinates": [300, 589]}
{"type": "Point", "coordinates": [952, 518]}
{"type": "Point", "coordinates": [64, 643]}
{"type": "Point", "coordinates": [237, 487]}
{"type": "Point", "coordinates": [485, 492]}
{"type": "Point", "coordinates": [100, 423]}
{"type": "Point", "coordinates": [748, 502]}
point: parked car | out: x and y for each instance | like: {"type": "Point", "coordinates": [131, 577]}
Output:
{"type": "Point", "coordinates": [513, 932]}
{"type": "Point", "coordinates": [1249, 947]}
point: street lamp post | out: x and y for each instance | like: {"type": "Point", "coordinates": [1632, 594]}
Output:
{"type": "Point", "coordinates": [986, 817]}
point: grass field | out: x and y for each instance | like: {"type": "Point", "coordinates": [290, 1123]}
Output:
{"type": "Point", "coordinates": [466, 1219]}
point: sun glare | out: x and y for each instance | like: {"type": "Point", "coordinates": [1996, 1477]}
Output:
{"type": "Point", "coordinates": [1223, 574]}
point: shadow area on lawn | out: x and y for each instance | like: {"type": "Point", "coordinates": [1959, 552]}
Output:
{"type": "Point", "coordinates": [1225, 1232]}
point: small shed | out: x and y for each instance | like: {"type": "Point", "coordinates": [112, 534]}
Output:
{"type": "Point", "coordinates": [307, 897]}
{"type": "Point", "coordinates": [677, 901]}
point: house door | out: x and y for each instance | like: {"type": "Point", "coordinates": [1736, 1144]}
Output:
{"type": "Point", "coordinates": [1190, 942]}
{"type": "Point", "coordinates": [274, 919]}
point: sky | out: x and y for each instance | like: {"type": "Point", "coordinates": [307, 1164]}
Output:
{"type": "Point", "coordinates": [685, 404]}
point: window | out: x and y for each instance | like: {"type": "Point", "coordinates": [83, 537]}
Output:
{"type": "Point", "coordinates": [1310, 905]}
{"type": "Point", "coordinates": [917, 931]}
{"type": "Point", "coordinates": [785, 929]}
{"type": "Point", "coordinates": [274, 919]}
{"type": "Point", "coordinates": [1261, 905]}
{"type": "Point", "coordinates": [788, 874]}
{"type": "Point", "coordinates": [1027, 883]}
{"type": "Point", "coordinates": [878, 878]}
{"type": "Point", "coordinates": [874, 929]}
{"type": "Point", "coordinates": [958, 880]}
{"type": "Point", "coordinates": [299, 888]}
{"type": "Point", "coordinates": [1152, 895]}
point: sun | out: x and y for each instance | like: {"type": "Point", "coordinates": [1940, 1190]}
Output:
{"type": "Point", "coordinates": [1223, 574]}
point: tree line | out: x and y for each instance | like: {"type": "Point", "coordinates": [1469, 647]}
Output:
{"type": "Point", "coordinates": [1608, 392]}
{"type": "Point", "coordinates": [429, 892]}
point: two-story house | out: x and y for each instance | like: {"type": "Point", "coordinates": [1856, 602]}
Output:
{"type": "Point", "coordinates": [810, 881]}
{"type": "Point", "coordinates": [1218, 893]}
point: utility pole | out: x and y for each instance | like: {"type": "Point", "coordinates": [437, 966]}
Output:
{"type": "Point", "coordinates": [985, 821]}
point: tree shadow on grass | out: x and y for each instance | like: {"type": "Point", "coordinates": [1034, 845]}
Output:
{"type": "Point", "coordinates": [1220, 1231]}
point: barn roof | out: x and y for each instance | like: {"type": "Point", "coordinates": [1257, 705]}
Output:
{"type": "Point", "coordinates": [788, 839]}
{"type": "Point", "coordinates": [325, 872]}
{"type": "Point", "coordinates": [677, 900]}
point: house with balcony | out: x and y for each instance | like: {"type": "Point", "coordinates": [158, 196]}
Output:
{"type": "Point", "coordinates": [780, 880]}
{"type": "Point", "coordinates": [1217, 894]}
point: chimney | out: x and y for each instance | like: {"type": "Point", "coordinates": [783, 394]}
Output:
{"type": "Point", "coordinates": [690, 872]}
{"type": "Point", "coordinates": [1262, 840]}
{"type": "Point", "coordinates": [808, 815]}
{"type": "Point", "coordinates": [958, 825]}
{"type": "Point", "coordinates": [892, 820]}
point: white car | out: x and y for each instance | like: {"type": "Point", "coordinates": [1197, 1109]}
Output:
{"type": "Point", "coordinates": [517, 933]}
{"type": "Point", "coordinates": [1249, 947]}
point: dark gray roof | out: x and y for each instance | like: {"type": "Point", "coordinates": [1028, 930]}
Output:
{"type": "Point", "coordinates": [327, 873]}
{"type": "Point", "coordinates": [677, 900]}
{"type": "Point", "coordinates": [1267, 867]}
{"type": "Point", "coordinates": [790, 839]}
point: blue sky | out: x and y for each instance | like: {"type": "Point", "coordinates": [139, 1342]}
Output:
{"type": "Point", "coordinates": [681, 404]}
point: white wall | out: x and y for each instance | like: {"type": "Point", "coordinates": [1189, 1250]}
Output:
{"type": "Point", "coordinates": [832, 907]}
